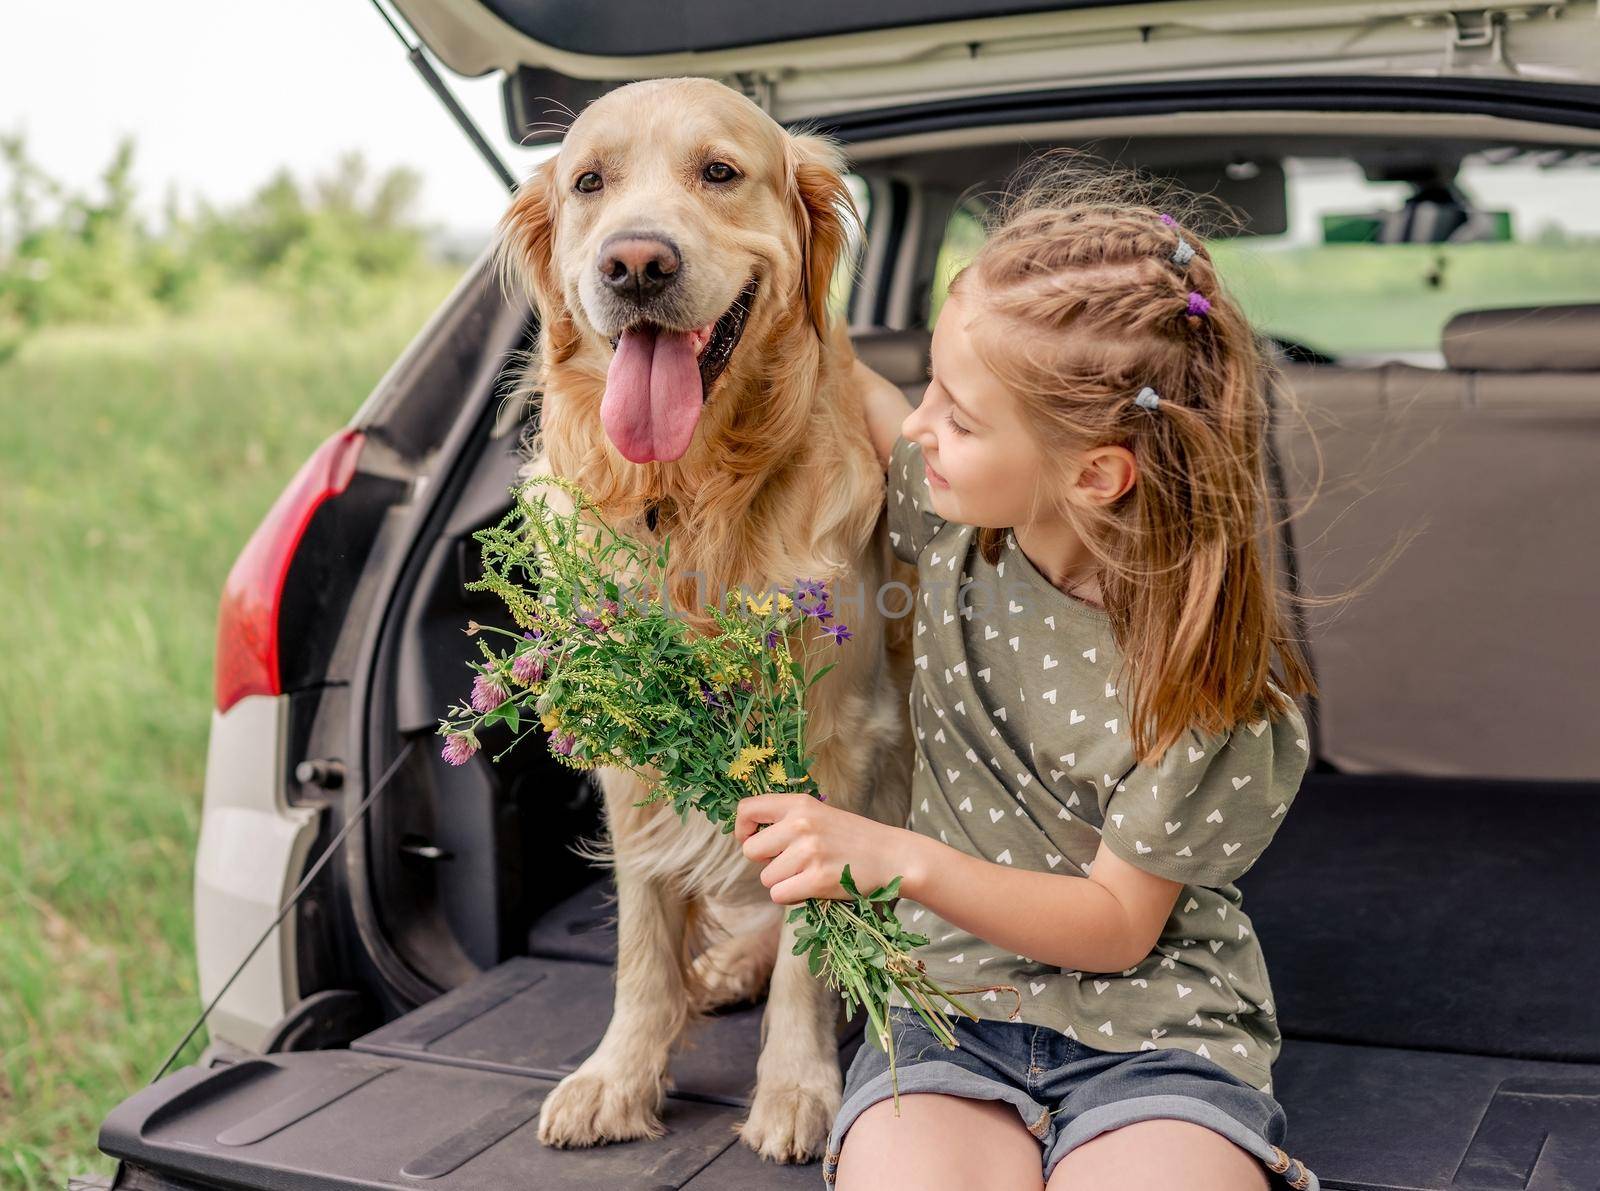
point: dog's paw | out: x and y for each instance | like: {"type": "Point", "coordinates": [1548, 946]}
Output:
{"type": "Point", "coordinates": [734, 970]}
{"type": "Point", "coordinates": [590, 1107]}
{"type": "Point", "coordinates": [790, 1123]}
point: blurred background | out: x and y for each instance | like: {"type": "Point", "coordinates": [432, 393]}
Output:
{"type": "Point", "coordinates": [219, 226]}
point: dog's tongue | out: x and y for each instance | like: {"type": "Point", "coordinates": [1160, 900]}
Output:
{"type": "Point", "coordinates": [653, 394]}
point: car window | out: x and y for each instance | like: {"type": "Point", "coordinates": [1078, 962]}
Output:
{"type": "Point", "coordinates": [963, 234]}
{"type": "Point", "coordinates": [1371, 301]}
{"type": "Point", "coordinates": [1375, 299]}
{"type": "Point", "coordinates": [847, 273]}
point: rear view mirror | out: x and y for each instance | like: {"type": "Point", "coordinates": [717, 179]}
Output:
{"type": "Point", "coordinates": [1421, 222]}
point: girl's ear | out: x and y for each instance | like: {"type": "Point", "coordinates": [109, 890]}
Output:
{"type": "Point", "coordinates": [823, 211]}
{"type": "Point", "coordinates": [524, 257]}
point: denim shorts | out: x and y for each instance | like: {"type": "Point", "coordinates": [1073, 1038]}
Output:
{"type": "Point", "coordinates": [1066, 1092]}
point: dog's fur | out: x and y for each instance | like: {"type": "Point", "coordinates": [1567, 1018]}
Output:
{"type": "Point", "coordinates": [779, 482]}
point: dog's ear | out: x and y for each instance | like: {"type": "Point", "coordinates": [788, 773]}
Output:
{"type": "Point", "coordinates": [824, 213]}
{"type": "Point", "coordinates": [524, 257]}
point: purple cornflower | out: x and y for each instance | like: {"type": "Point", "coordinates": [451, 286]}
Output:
{"type": "Point", "coordinates": [814, 588]}
{"type": "Point", "coordinates": [533, 634]}
{"type": "Point", "coordinates": [820, 611]}
{"type": "Point", "coordinates": [459, 747]}
{"type": "Point", "coordinates": [712, 698]}
{"type": "Point", "coordinates": [528, 667]}
{"type": "Point", "coordinates": [488, 692]}
{"type": "Point", "coordinates": [839, 633]}
{"type": "Point", "coordinates": [563, 743]}
{"type": "Point", "coordinates": [1168, 220]}
{"type": "Point", "coordinates": [772, 638]}
{"type": "Point", "coordinates": [1198, 303]}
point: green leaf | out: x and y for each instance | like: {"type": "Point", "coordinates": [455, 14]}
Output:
{"type": "Point", "coordinates": [846, 880]}
{"type": "Point", "coordinates": [888, 892]}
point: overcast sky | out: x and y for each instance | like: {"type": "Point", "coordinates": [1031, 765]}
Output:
{"type": "Point", "coordinates": [220, 94]}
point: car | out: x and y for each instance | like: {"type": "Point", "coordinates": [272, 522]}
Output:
{"type": "Point", "coordinates": [1414, 181]}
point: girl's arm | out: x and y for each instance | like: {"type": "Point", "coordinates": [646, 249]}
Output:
{"type": "Point", "coordinates": [1106, 922]}
{"type": "Point", "coordinates": [1076, 923]}
{"type": "Point", "coordinates": [886, 408]}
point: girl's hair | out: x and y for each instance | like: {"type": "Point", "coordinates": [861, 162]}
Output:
{"type": "Point", "coordinates": [1078, 302]}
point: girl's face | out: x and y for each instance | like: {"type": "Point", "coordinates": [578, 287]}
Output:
{"type": "Point", "coordinates": [984, 467]}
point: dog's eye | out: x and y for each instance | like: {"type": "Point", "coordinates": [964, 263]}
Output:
{"type": "Point", "coordinates": [588, 183]}
{"type": "Point", "coordinates": [719, 171]}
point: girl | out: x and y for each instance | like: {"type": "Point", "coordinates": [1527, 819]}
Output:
{"type": "Point", "coordinates": [1100, 748]}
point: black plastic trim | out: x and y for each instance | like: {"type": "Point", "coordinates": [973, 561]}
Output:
{"type": "Point", "coordinates": [899, 195]}
{"type": "Point", "coordinates": [629, 28]}
{"type": "Point", "coordinates": [1546, 103]}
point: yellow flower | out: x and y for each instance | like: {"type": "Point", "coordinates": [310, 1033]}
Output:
{"type": "Point", "coordinates": [550, 720]}
{"type": "Point", "coordinates": [762, 608]}
{"type": "Point", "coordinates": [784, 602]}
{"type": "Point", "coordinates": [776, 773]}
{"type": "Point", "coordinates": [748, 757]}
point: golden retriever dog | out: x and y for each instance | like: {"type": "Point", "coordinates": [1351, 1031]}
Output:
{"type": "Point", "coordinates": [679, 249]}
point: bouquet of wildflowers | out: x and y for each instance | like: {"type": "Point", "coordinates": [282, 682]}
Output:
{"type": "Point", "coordinates": [708, 718]}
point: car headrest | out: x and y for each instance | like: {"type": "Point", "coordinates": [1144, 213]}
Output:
{"type": "Point", "coordinates": [898, 356]}
{"type": "Point", "coordinates": [1562, 338]}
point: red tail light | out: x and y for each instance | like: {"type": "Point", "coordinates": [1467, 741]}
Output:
{"type": "Point", "coordinates": [247, 624]}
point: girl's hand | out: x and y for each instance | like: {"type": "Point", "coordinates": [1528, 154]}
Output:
{"type": "Point", "coordinates": [809, 842]}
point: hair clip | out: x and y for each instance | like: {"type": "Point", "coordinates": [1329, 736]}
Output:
{"type": "Point", "coordinates": [1198, 303]}
{"type": "Point", "coordinates": [1184, 252]}
{"type": "Point", "coordinates": [1148, 398]}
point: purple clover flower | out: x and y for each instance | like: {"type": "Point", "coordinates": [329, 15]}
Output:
{"type": "Point", "coordinates": [488, 692]}
{"type": "Point", "coordinates": [839, 633]}
{"type": "Point", "coordinates": [563, 743]}
{"type": "Point", "coordinates": [459, 747]}
{"type": "Point", "coordinates": [529, 667]}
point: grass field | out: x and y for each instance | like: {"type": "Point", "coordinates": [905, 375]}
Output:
{"type": "Point", "coordinates": [134, 464]}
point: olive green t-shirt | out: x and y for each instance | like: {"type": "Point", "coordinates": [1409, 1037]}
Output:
{"type": "Point", "coordinates": [1023, 758]}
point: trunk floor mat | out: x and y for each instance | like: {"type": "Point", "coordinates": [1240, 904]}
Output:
{"type": "Point", "coordinates": [449, 1095]}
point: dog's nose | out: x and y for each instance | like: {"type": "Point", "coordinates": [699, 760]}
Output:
{"type": "Point", "coordinates": [638, 266]}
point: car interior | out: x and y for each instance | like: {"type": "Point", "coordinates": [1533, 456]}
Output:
{"type": "Point", "coordinates": [1435, 997]}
